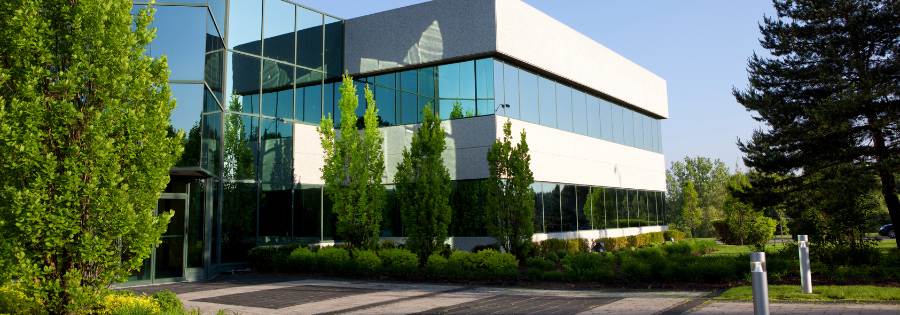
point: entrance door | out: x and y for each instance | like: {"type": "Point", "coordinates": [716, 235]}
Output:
{"type": "Point", "coordinates": [167, 260]}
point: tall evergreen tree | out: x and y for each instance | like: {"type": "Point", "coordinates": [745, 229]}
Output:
{"type": "Point", "coordinates": [509, 205]}
{"type": "Point", "coordinates": [84, 151]}
{"type": "Point", "coordinates": [423, 187]}
{"type": "Point", "coordinates": [828, 95]}
{"type": "Point", "coordinates": [690, 208]}
{"type": "Point", "coordinates": [354, 165]}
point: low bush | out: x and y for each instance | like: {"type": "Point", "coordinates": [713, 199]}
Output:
{"type": "Point", "coordinates": [534, 274]}
{"type": "Point", "coordinates": [455, 270]}
{"type": "Point", "coordinates": [437, 260]}
{"type": "Point", "coordinates": [302, 259]}
{"type": "Point", "coordinates": [493, 260]}
{"type": "Point", "coordinates": [262, 257]}
{"type": "Point", "coordinates": [553, 275]}
{"type": "Point", "coordinates": [674, 234]}
{"type": "Point", "coordinates": [168, 302]}
{"type": "Point", "coordinates": [331, 259]}
{"type": "Point", "coordinates": [539, 263]}
{"type": "Point", "coordinates": [479, 248]}
{"type": "Point", "coordinates": [551, 245]}
{"type": "Point", "coordinates": [398, 257]}
{"type": "Point", "coordinates": [366, 260]}
{"type": "Point", "coordinates": [553, 257]}
{"type": "Point", "coordinates": [577, 245]}
{"type": "Point", "coordinates": [14, 302]}
{"type": "Point", "coordinates": [466, 260]}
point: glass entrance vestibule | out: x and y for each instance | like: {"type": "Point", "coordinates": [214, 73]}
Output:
{"type": "Point", "coordinates": [185, 251]}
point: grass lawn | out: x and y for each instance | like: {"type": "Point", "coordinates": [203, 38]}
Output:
{"type": "Point", "coordinates": [820, 293]}
{"type": "Point", "coordinates": [734, 250]}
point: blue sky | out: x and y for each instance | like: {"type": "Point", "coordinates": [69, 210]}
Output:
{"type": "Point", "coordinates": [700, 47]}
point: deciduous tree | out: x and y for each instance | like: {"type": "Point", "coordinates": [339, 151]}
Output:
{"type": "Point", "coordinates": [84, 152]}
{"type": "Point", "coordinates": [354, 165]}
{"type": "Point", "coordinates": [509, 205]}
{"type": "Point", "coordinates": [423, 187]}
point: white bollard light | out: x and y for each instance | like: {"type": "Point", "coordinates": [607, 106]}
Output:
{"type": "Point", "coordinates": [805, 273]}
{"type": "Point", "coordinates": [760, 283]}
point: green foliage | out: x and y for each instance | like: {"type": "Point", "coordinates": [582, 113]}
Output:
{"type": "Point", "coordinates": [690, 210]}
{"type": "Point", "coordinates": [353, 168]}
{"type": "Point", "coordinates": [710, 178]}
{"type": "Point", "coordinates": [494, 260]}
{"type": "Point", "coordinates": [479, 248]}
{"type": "Point", "coordinates": [84, 151]}
{"type": "Point", "coordinates": [830, 101]}
{"type": "Point", "coordinates": [168, 302]}
{"type": "Point", "coordinates": [262, 258]}
{"type": "Point", "coordinates": [437, 261]}
{"type": "Point", "coordinates": [539, 263]}
{"type": "Point", "coordinates": [552, 257]}
{"type": "Point", "coordinates": [465, 260]}
{"type": "Point", "coordinates": [366, 260]}
{"type": "Point", "coordinates": [302, 259]}
{"type": "Point", "coordinates": [423, 187]}
{"type": "Point", "coordinates": [398, 257]}
{"type": "Point", "coordinates": [14, 302]}
{"type": "Point", "coordinates": [509, 205]}
{"type": "Point", "coordinates": [192, 141]}
{"type": "Point", "coordinates": [550, 245]}
{"type": "Point", "coordinates": [330, 258]}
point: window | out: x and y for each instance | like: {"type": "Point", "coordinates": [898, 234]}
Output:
{"type": "Point", "coordinates": [278, 29]}
{"type": "Point", "coordinates": [275, 214]}
{"type": "Point", "coordinates": [334, 46]}
{"type": "Point", "coordinates": [564, 108]}
{"type": "Point", "coordinates": [579, 113]}
{"type": "Point", "coordinates": [181, 36]}
{"type": "Point", "coordinates": [628, 124]}
{"type": "Point", "coordinates": [277, 151]}
{"type": "Point", "coordinates": [245, 29]}
{"type": "Point", "coordinates": [309, 39]}
{"type": "Point", "coordinates": [386, 102]}
{"type": "Point", "coordinates": [618, 131]}
{"type": "Point", "coordinates": [638, 130]}
{"type": "Point", "coordinates": [244, 132]}
{"type": "Point", "coordinates": [538, 219]}
{"type": "Point", "coordinates": [277, 87]}
{"type": "Point", "coordinates": [528, 101]}
{"type": "Point", "coordinates": [511, 91]}
{"type": "Point", "coordinates": [243, 81]}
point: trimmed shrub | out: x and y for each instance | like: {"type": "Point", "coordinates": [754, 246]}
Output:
{"type": "Point", "coordinates": [494, 260]}
{"type": "Point", "coordinates": [466, 260]}
{"type": "Point", "coordinates": [289, 248]}
{"type": "Point", "coordinates": [674, 234]}
{"type": "Point", "coordinates": [534, 274]}
{"type": "Point", "coordinates": [366, 260]}
{"type": "Point", "coordinates": [168, 302]}
{"type": "Point", "coordinates": [455, 270]}
{"type": "Point", "coordinates": [634, 269]}
{"type": "Point", "coordinates": [126, 302]}
{"type": "Point", "coordinates": [553, 275]}
{"type": "Point", "coordinates": [398, 257]}
{"type": "Point", "coordinates": [613, 243]}
{"type": "Point", "coordinates": [562, 254]}
{"type": "Point", "coordinates": [577, 245]}
{"type": "Point", "coordinates": [262, 258]}
{"type": "Point", "coordinates": [552, 245]}
{"type": "Point", "coordinates": [331, 258]}
{"type": "Point", "coordinates": [302, 259]}
{"type": "Point", "coordinates": [479, 248]}
{"type": "Point", "coordinates": [437, 260]}
{"type": "Point", "coordinates": [539, 263]}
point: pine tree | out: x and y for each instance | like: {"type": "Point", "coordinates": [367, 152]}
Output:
{"type": "Point", "coordinates": [690, 210]}
{"type": "Point", "coordinates": [84, 151]}
{"type": "Point", "coordinates": [423, 187]}
{"type": "Point", "coordinates": [509, 205]}
{"type": "Point", "coordinates": [828, 95]}
{"type": "Point", "coordinates": [354, 165]}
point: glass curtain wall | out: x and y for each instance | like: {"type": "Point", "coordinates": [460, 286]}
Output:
{"type": "Point", "coordinates": [266, 78]}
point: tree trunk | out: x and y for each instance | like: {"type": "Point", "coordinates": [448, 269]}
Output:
{"type": "Point", "coordinates": [889, 190]}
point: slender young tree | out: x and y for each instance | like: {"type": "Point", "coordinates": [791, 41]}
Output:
{"type": "Point", "coordinates": [423, 187]}
{"type": "Point", "coordinates": [690, 210]}
{"type": "Point", "coordinates": [828, 95]}
{"type": "Point", "coordinates": [510, 200]}
{"type": "Point", "coordinates": [354, 165]}
{"type": "Point", "coordinates": [84, 151]}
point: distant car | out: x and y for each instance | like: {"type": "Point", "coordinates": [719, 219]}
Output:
{"type": "Point", "coordinates": [887, 230]}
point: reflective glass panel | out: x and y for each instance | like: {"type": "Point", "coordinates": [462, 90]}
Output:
{"type": "Point", "coordinates": [214, 40]}
{"type": "Point", "coordinates": [388, 80]}
{"type": "Point", "coordinates": [426, 81]}
{"type": "Point", "coordinates": [529, 109]}
{"type": "Point", "coordinates": [245, 26]}
{"type": "Point", "coordinates": [408, 108]}
{"type": "Point", "coordinates": [448, 81]}
{"type": "Point", "coordinates": [277, 87]}
{"type": "Point", "coordinates": [648, 133]}
{"type": "Point", "coordinates": [552, 216]}
{"type": "Point", "coordinates": [307, 213]}
{"type": "Point", "coordinates": [579, 113]}
{"type": "Point", "coordinates": [217, 8]}
{"type": "Point", "coordinates": [275, 214]}
{"type": "Point", "coordinates": [618, 131]}
{"type": "Point", "coordinates": [329, 219]}
{"type": "Point", "coordinates": [622, 205]}
{"type": "Point", "coordinates": [659, 137]}
{"type": "Point", "coordinates": [277, 146]}
{"type": "Point", "coordinates": [511, 92]}
{"type": "Point", "coordinates": [594, 127]}
{"type": "Point", "coordinates": [606, 120]}
{"type": "Point", "coordinates": [334, 46]}
{"type": "Point", "coordinates": [466, 204]}
{"type": "Point", "coordinates": [243, 82]}
{"type": "Point", "coordinates": [548, 102]}
{"type": "Point", "coordinates": [312, 104]}
{"type": "Point", "coordinates": [392, 223]}
{"type": "Point", "coordinates": [216, 236]}
{"type": "Point", "coordinates": [467, 79]}
{"type": "Point", "coordinates": [211, 133]}
{"type": "Point", "coordinates": [181, 36]}
{"type": "Point", "coordinates": [484, 79]}
{"type": "Point", "coordinates": [653, 134]}
{"type": "Point", "coordinates": [638, 130]}
{"type": "Point", "coordinates": [569, 208]}
{"type": "Point", "coordinates": [361, 104]}
{"type": "Point", "coordinates": [213, 74]}
{"type": "Point", "coordinates": [189, 98]}
{"type": "Point", "coordinates": [538, 218]}
{"type": "Point", "coordinates": [564, 107]}
{"type": "Point", "coordinates": [408, 81]}
{"type": "Point", "coordinates": [309, 39]}
{"type": "Point", "coordinates": [278, 30]}
{"type": "Point", "coordinates": [386, 103]}
{"type": "Point", "coordinates": [328, 105]}
{"type": "Point", "coordinates": [238, 221]}
{"type": "Point", "coordinates": [498, 82]}
{"type": "Point", "coordinates": [485, 107]}
{"type": "Point", "coordinates": [241, 151]}
{"type": "Point", "coordinates": [628, 124]}
{"type": "Point", "coordinates": [583, 208]}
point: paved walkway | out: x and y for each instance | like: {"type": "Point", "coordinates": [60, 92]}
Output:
{"type": "Point", "coordinates": [249, 294]}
